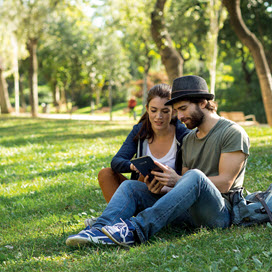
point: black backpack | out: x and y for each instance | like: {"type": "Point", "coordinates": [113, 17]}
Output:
{"type": "Point", "coordinates": [255, 208]}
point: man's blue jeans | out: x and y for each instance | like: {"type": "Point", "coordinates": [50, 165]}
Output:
{"type": "Point", "coordinates": [193, 201]}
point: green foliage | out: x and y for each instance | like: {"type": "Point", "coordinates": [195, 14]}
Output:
{"type": "Point", "coordinates": [235, 94]}
{"type": "Point", "coordinates": [80, 57]}
{"type": "Point", "coordinates": [238, 85]}
{"type": "Point", "coordinates": [48, 186]}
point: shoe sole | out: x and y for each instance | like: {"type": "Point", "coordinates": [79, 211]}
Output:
{"type": "Point", "coordinates": [115, 241]}
{"type": "Point", "coordinates": [77, 241]}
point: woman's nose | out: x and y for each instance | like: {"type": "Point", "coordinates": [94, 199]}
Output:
{"type": "Point", "coordinates": [159, 115]}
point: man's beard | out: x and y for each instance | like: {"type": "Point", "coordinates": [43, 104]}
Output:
{"type": "Point", "coordinates": [196, 118]}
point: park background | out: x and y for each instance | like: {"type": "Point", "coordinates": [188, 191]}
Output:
{"type": "Point", "coordinates": [69, 55]}
{"type": "Point", "coordinates": [82, 60]}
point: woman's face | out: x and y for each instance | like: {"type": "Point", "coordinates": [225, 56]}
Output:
{"type": "Point", "coordinates": [159, 114]}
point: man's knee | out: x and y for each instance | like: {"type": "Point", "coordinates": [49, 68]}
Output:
{"type": "Point", "coordinates": [193, 175]}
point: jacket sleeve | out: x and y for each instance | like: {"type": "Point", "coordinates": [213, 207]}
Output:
{"type": "Point", "coordinates": [121, 161]}
{"type": "Point", "coordinates": [181, 132]}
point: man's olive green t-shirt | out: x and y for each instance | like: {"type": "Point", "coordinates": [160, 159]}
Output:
{"type": "Point", "coordinates": [204, 153]}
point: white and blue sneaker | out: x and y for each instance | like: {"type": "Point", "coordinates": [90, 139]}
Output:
{"type": "Point", "coordinates": [87, 236]}
{"type": "Point", "coordinates": [121, 233]}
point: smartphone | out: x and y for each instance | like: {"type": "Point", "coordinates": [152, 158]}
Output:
{"type": "Point", "coordinates": [145, 165]}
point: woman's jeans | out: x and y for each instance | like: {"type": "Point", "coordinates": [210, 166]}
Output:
{"type": "Point", "coordinates": [194, 201]}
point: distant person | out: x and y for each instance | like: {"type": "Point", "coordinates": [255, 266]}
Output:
{"type": "Point", "coordinates": [132, 103]}
{"type": "Point", "coordinates": [214, 161]}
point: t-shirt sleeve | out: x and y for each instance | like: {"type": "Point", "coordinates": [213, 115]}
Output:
{"type": "Point", "coordinates": [235, 139]}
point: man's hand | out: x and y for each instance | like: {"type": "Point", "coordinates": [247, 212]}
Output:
{"type": "Point", "coordinates": [168, 177]}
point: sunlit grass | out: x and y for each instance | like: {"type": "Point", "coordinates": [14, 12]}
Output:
{"type": "Point", "coordinates": [48, 186]}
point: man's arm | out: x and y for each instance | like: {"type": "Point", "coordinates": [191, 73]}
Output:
{"type": "Point", "coordinates": [230, 165]}
{"type": "Point", "coordinates": [184, 170]}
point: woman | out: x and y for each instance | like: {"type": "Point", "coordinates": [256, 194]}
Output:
{"type": "Point", "coordinates": [157, 135]}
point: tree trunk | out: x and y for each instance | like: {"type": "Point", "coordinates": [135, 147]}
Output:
{"type": "Point", "coordinates": [110, 100]}
{"type": "Point", "coordinates": [33, 75]}
{"type": "Point", "coordinates": [16, 73]}
{"type": "Point", "coordinates": [217, 17]}
{"type": "Point", "coordinates": [146, 70]}
{"type": "Point", "coordinates": [144, 93]}
{"type": "Point", "coordinates": [4, 97]}
{"type": "Point", "coordinates": [171, 59]}
{"type": "Point", "coordinates": [97, 95]}
{"type": "Point", "coordinates": [257, 51]}
{"type": "Point", "coordinates": [22, 97]}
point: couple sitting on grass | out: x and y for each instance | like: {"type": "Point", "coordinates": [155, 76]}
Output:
{"type": "Point", "coordinates": [200, 169]}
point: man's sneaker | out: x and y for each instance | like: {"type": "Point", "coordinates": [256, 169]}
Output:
{"type": "Point", "coordinates": [89, 235]}
{"type": "Point", "coordinates": [121, 233]}
{"type": "Point", "coordinates": [90, 221]}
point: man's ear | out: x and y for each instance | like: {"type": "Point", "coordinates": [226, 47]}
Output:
{"type": "Point", "coordinates": [203, 104]}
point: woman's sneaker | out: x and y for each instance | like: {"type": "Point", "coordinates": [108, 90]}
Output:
{"type": "Point", "coordinates": [121, 233]}
{"type": "Point", "coordinates": [87, 236]}
{"type": "Point", "coordinates": [90, 221]}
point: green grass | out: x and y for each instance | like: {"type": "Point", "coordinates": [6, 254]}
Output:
{"type": "Point", "coordinates": [48, 186]}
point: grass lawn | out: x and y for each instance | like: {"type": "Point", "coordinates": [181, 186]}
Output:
{"type": "Point", "coordinates": [48, 186]}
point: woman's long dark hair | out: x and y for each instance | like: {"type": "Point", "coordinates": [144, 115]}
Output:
{"type": "Point", "coordinates": [146, 131]}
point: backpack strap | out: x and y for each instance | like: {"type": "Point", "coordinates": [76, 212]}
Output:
{"type": "Point", "coordinates": [265, 206]}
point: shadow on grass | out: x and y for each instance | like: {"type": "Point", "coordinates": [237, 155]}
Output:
{"type": "Point", "coordinates": [56, 132]}
{"type": "Point", "coordinates": [79, 168]}
{"type": "Point", "coordinates": [57, 199]}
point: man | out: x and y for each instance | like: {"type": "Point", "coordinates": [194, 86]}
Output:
{"type": "Point", "coordinates": [214, 161]}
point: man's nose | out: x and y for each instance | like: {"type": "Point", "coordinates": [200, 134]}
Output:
{"type": "Point", "coordinates": [180, 115]}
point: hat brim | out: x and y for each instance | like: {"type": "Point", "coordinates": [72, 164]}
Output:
{"type": "Point", "coordinates": [172, 101]}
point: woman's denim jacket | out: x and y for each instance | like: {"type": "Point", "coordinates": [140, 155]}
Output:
{"type": "Point", "coordinates": [121, 161]}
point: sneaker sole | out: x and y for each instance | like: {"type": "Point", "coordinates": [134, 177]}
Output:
{"type": "Point", "coordinates": [115, 241]}
{"type": "Point", "coordinates": [77, 241]}
{"type": "Point", "coordinates": [80, 241]}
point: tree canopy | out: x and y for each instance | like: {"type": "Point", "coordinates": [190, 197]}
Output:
{"type": "Point", "coordinates": [81, 52]}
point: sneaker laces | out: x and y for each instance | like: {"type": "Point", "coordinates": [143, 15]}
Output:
{"type": "Point", "coordinates": [123, 227]}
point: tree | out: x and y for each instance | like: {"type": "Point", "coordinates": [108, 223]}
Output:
{"type": "Point", "coordinates": [13, 42]}
{"type": "Point", "coordinates": [112, 64]}
{"type": "Point", "coordinates": [216, 17]}
{"type": "Point", "coordinates": [171, 59]}
{"type": "Point", "coordinates": [132, 21]}
{"type": "Point", "coordinates": [257, 51]}
{"type": "Point", "coordinates": [4, 97]}
{"type": "Point", "coordinates": [67, 55]}
{"type": "Point", "coordinates": [36, 14]}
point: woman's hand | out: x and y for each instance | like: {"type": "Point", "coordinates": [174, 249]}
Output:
{"type": "Point", "coordinates": [133, 168]}
{"type": "Point", "coordinates": [168, 177]}
{"type": "Point", "coordinates": [154, 186]}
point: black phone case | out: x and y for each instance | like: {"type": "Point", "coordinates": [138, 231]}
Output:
{"type": "Point", "coordinates": [145, 165]}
